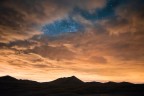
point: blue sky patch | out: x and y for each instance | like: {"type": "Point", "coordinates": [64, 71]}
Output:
{"type": "Point", "coordinates": [62, 26]}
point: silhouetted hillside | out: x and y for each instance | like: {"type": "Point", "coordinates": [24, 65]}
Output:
{"type": "Point", "coordinates": [8, 78]}
{"type": "Point", "coordinates": [70, 86]}
{"type": "Point", "coordinates": [68, 81]}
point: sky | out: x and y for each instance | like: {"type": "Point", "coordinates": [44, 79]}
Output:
{"type": "Point", "coordinates": [95, 40]}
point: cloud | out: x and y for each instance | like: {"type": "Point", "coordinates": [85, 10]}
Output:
{"type": "Point", "coordinates": [91, 5]}
{"type": "Point", "coordinates": [21, 20]}
{"type": "Point", "coordinates": [128, 19]}
{"type": "Point", "coordinates": [106, 47]}
{"type": "Point", "coordinates": [54, 53]}
{"type": "Point", "coordinates": [98, 59]}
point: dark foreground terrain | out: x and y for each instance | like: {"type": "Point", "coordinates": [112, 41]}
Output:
{"type": "Point", "coordinates": [70, 86]}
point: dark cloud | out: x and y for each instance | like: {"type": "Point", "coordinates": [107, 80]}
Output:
{"type": "Point", "coordinates": [129, 18]}
{"type": "Point", "coordinates": [22, 19]}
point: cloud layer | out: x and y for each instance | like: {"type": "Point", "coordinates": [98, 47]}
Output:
{"type": "Point", "coordinates": [21, 20]}
{"type": "Point", "coordinates": [110, 46]}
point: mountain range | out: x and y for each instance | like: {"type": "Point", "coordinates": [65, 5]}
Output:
{"type": "Point", "coordinates": [67, 86]}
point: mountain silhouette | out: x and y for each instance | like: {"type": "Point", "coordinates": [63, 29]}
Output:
{"type": "Point", "coordinates": [67, 86]}
{"type": "Point", "coordinates": [68, 81]}
{"type": "Point", "coordinates": [7, 78]}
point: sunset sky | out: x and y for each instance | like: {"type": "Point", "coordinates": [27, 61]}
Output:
{"type": "Point", "coordinates": [95, 40]}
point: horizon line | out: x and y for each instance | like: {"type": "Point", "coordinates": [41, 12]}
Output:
{"type": "Point", "coordinates": [70, 77]}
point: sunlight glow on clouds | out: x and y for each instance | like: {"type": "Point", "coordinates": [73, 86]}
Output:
{"type": "Point", "coordinates": [93, 39]}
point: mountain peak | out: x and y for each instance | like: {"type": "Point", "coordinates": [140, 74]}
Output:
{"type": "Point", "coordinates": [7, 78]}
{"type": "Point", "coordinates": [68, 80]}
{"type": "Point", "coordinates": [74, 77]}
